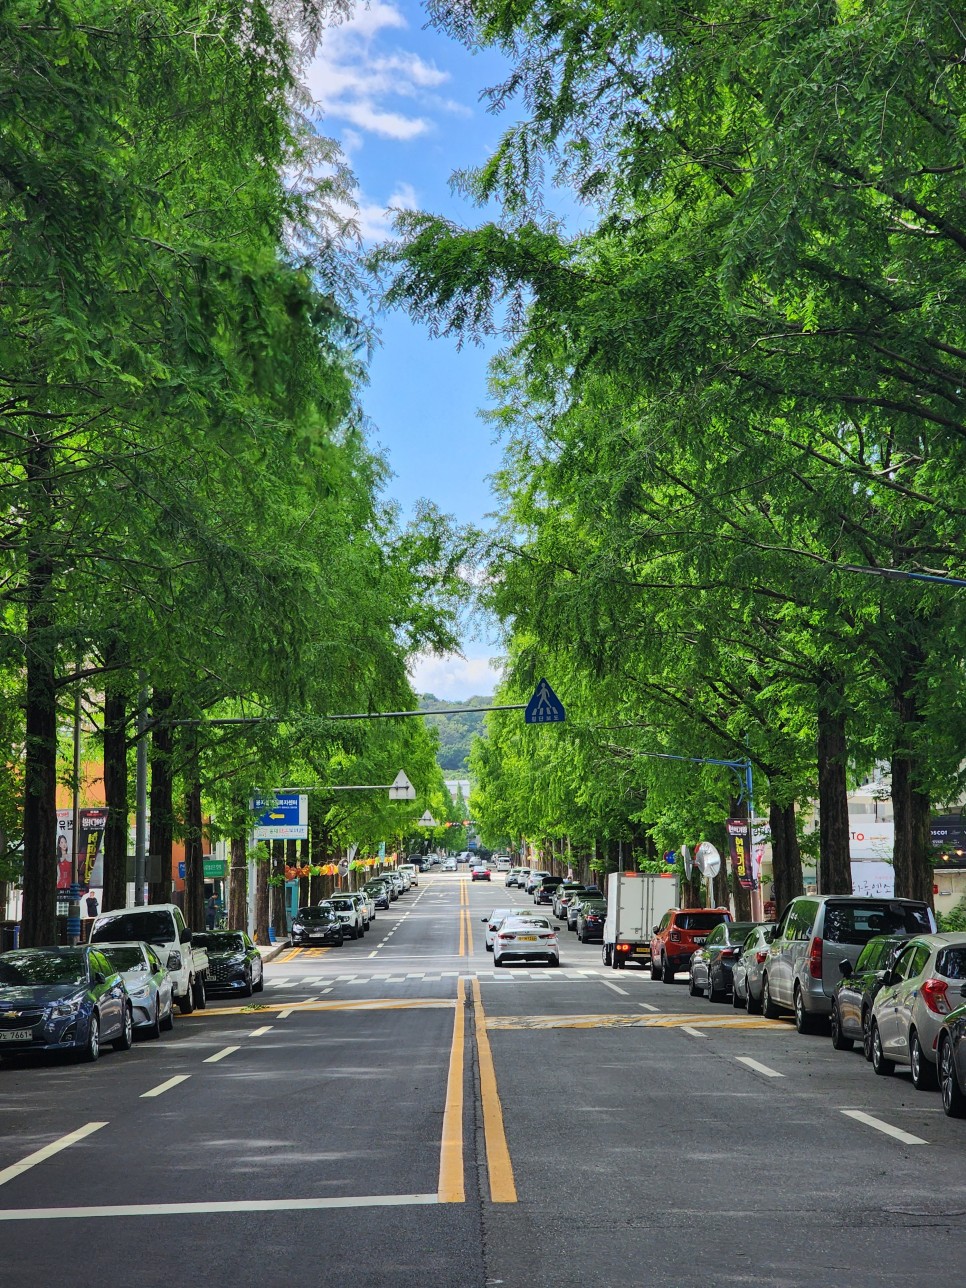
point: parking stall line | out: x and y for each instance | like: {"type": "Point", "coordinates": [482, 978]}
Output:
{"type": "Point", "coordinates": [886, 1128]}
{"type": "Point", "coordinates": [162, 1087]}
{"type": "Point", "coordinates": [616, 987]}
{"type": "Point", "coordinates": [695, 1033]}
{"type": "Point", "coordinates": [645, 1007]}
{"type": "Point", "coordinates": [55, 1146]}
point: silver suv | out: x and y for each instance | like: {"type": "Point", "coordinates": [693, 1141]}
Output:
{"type": "Point", "coordinates": [813, 935]}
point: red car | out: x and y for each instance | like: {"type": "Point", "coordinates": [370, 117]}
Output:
{"type": "Point", "coordinates": [681, 931]}
{"type": "Point", "coordinates": [480, 874]}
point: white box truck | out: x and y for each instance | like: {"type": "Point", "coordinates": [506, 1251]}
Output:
{"type": "Point", "coordinates": [636, 902]}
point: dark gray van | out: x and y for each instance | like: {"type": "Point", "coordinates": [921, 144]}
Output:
{"type": "Point", "coordinates": [812, 936]}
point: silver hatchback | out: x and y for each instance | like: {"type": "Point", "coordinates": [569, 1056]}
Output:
{"type": "Point", "coordinates": [922, 988]}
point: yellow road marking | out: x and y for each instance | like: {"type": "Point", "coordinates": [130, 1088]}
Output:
{"type": "Point", "coordinates": [506, 1022]}
{"type": "Point", "coordinates": [293, 952]}
{"type": "Point", "coordinates": [451, 1188]}
{"type": "Point", "coordinates": [498, 1165]}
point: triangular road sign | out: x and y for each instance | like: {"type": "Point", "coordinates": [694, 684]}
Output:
{"type": "Point", "coordinates": [401, 789]}
{"type": "Point", "coordinates": [544, 707]}
{"type": "Point", "coordinates": [427, 820]}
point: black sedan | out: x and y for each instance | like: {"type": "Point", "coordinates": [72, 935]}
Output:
{"type": "Point", "coordinates": [591, 915]}
{"type": "Point", "coordinates": [854, 993]}
{"type": "Point", "coordinates": [951, 1052]}
{"type": "Point", "coordinates": [318, 925]}
{"type": "Point", "coordinates": [713, 962]}
{"type": "Point", "coordinates": [62, 999]}
{"type": "Point", "coordinates": [234, 963]}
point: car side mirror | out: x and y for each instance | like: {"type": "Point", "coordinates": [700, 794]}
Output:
{"type": "Point", "coordinates": [484, 919]}
{"type": "Point", "coordinates": [100, 977]}
{"type": "Point", "coordinates": [174, 961]}
{"type": "Point", "coordinates": [845, 966]}
{"type": "Point", "coordinates": [889, 977]}
{"type": "Point", "coordinates": [185, 936]}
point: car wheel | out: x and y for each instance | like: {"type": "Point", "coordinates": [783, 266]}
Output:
{"type": "Point", "coordinates": [257, 988]}
{"type": "Point", "coordinates": [167, 1021]}
{"type": "Point", "coordinates": [923, 1074]}
{"type": "Point", "coordinates": [752, 1006]}
{"type": "Point", "coordinates": [554, 961]}
{"type": "Point", "coordinates": [880, 1064]}
{"type": "Point", "coordinates": [667, 971]}
{"type": "Point", "coordinates": [803, 1021]}
{"type": "Point", "coordinates": [247, 987]}
{"type": "Point", "coordinates": [91, 1049]}
{"type": "Point", "coordinates": [768, 1008]}
{"type": "Point", "coordinates": [497, 961]}
{"type": "Point", "coordinates": [199, 995]}
{"type": "Point", "coordinates": [736, 1001]}
{"type": "Point", "coordinates": [839, 1041]}
{"type": "Point", "coordinates": [488, 947]}
{"type": "Point", "coordinates": [605, 954]}
{"type": "Point", "coordinates": [715, 994]}
{"type": "Point", "coordinates": [153, 1030]}
{"type": "Point", "coordinates": [867, 1034]}
{"type": "Point", "coordinates": [954, 1102]}
{"type": "Point", "coordinates": [692, 987]}
{"type": "Point", "coordinates": [655, 970]}
{"type": "Point", "coordinates": [126, 1040]}
{"type": "Point", "coordinates": [186, 1003]}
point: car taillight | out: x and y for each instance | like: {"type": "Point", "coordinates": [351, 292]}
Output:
{"type": "Point", "coordinates": [675, 935]}
{"type": "Point", "coordinates": [815, 959]}
{"type": "Point", "coordinates": [760, 957]}
{"type": "Point", "coordinates": [507, 936]}
{"type": "Point", "coordinates": [934, 995]}
{"type": "Point", "coordinates": [730, 952]}
{"type": "Point", "coordinates": [623, 948]}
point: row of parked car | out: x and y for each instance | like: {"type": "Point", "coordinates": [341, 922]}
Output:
{"type": "Point", "coordinates": [348, 914]}
{"type": "Point", "coordinates": [872, 971]}
{"type": "Point", "coordinates": [138, 966]}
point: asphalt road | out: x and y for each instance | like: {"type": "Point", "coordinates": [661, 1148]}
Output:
{"type": "Point", "coordinates": [397, 1113]}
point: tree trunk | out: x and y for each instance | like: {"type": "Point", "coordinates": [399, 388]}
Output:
{"type": "Point", "coordinates": [279, 860]}
{"type": "Point", "coordinates": [262, 865]}
{"type": "Point", "coordinates": [835, 869]}
{"type": "Point", "coordinates": [39, 922]}
{"type": "Point", "coordinates": [786, 855]}
{"type": "Point", "coordinates": [115, 797]}
{"type": "Point", "coordinates": [161, 806]}
{"type": "Point", "coordinates": [194, 864]}
{"type": "Point", "coordinates": [238, 885]}
{"type": "Point", "coordinates": [912, 807]}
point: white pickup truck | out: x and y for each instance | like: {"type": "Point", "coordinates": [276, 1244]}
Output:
{"type": "Point", "coordinates": [161, 925]}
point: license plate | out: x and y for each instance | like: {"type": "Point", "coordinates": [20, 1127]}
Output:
{"type": "Point", "coordinates": [16, 1035]}
{"type": "Point", "coordinates": [645, 952]}
{"type": "Point", "coordinates": [700, 939]}
{"type": "Point", "coordinates": [530, 939]}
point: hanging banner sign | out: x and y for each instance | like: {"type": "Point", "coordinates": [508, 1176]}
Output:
{"type": "Point", "coordinates": [281, 818]}
{"type": "Point", "coordinates": [90, 849]}
{"type": "Point", "coordinates": [742, 864]}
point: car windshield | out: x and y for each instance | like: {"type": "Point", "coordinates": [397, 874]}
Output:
{"type": "Point", "coordinates": [737, 931]}
{"type": "Point", "coordinates": [342, 905]}
{"type": "Point", "coordinates": [221, 943]}
{"type": "Point", "coordinates": [38, 967]}
{"type": "Point", "coordinates": [126, 957]}
{"type": "Point", "coordinates": [314, 914]}
{"type": "Point", "coordinates": [155, 926]}
{"type": "Point", "coordinates": [857, 923]}
{"type": "Point", "coordinates": [700, 920]}
{"type": "Point", "coordinates": [526, 923]}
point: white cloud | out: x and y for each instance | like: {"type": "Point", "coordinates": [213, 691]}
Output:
{"type": "Point", "coordinates": [352, 80]}
{"type": "Point", "coordinates": [373, 221]}
{"type": "Point", "coordinates": [453, 677]}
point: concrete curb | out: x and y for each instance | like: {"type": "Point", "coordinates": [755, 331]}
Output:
{"type": "Point", "coordinates": [271, 951]}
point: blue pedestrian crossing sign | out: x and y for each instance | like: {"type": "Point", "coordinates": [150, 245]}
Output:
{"type": "Point", "coordinates": [544, 707]}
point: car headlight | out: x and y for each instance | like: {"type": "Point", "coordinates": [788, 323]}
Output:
{"type": "Point", "coordinates": [69, 1006]}
{"type": "Point", "coordinates": [297, 925]}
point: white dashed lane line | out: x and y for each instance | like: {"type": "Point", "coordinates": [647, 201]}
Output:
{"type": "Point", "coordinates": [55, 1146]}
{"type": "Point", "coordinates": [758, 1068]}
{"type": "Point", "coordinates": [220, 1055]}
{"type": "Point", "coordinates": [165, 1086]}
{"type": "Point", "coordinates": [886, 1128]}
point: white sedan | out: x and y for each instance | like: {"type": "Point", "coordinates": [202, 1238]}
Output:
{"type": "Point", "coordinates": [498, 915]}
{"type": "Point", "coordinates": [526, 939]}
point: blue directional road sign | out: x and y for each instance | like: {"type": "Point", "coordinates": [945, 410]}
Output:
{"type": "Point", "coordinates": [544, 707]}
{"type": "Point", "coordinates": [281, 818]}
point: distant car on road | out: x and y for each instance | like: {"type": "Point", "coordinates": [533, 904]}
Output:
{"type": "Point", "coordinates": [479, 874]}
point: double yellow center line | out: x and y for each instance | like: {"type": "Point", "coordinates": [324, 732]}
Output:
{"type": "Point", "coordinates": [466, 925]}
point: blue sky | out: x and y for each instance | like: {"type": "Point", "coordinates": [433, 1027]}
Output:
{"type": "Point", "coordinates": [403, 100]}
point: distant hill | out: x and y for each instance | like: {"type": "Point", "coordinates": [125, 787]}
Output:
{"type": "Point", "coordinates": [456, 732]}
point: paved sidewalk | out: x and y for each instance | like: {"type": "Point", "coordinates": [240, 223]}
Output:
{"type": "Point", "coordinates": [270, 951]}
